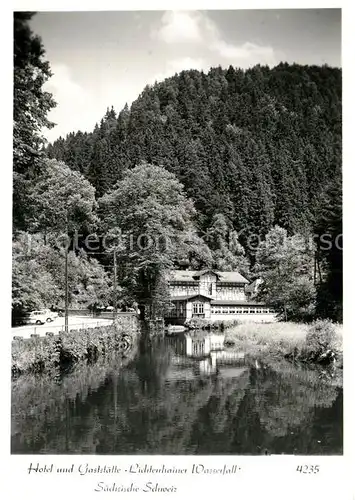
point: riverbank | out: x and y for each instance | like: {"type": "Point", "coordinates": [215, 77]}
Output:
{"type": "Point", "coordinates": [55, 352]}
{"type": "Point", "coordinates": [126, 407]}
{"type": "Point", "coordinates": [207, 324]}
{"type": "Point", "coordinates": [319, 342]}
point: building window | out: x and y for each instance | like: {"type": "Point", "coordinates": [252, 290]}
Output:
{"type": "Point", "coordinates": [210, 289]}
{"type": "Point", "coordinates": [198, 308]}
{"type": "Point", "coordinates": [198, 348]}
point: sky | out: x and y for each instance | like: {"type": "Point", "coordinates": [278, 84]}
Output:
{"type": "Point", "coordinates": [104, 59]}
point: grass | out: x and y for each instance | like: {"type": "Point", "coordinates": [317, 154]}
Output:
{"type": "Point", "coordinates": [281, 339]}
{"type": "Point", "coordinates": [273, 337]}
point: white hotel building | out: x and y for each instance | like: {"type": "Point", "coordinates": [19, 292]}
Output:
{"type": "Point", "coordinates": [213, 295]}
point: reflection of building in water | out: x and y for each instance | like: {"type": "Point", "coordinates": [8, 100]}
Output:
{"type": "Point", "coordinates": [228, 357]}
{"type": "Point", "coordinates": [197, 346]}
{"type": "Point", "coordinates": [231, 371]}
{"type": "Point", "coordinates": [178, 343]}
{"type": "Point", "coordinates": [208, 365]}
{"type": "Point", "coordinates": [204, 355]}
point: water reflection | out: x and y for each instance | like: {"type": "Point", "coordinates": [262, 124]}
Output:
{"type": "Point", "coordinates": [203, 354]}
{"type": "Point", "coordinates": [178, 395]}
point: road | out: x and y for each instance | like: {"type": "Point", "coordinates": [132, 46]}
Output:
{"type": "Point", "coordinates": [56, 326]}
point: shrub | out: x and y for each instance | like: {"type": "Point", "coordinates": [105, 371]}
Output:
{"type": "Point", "coordinates": [321, 336]}
{"type": "Point", "coordinates": [229, 323]}
{"type": "Point", "coordinates": [46, 353]}
{"type": "Point", "coordinates": [206, 324]}
{"type": "Point", "coordinates": [197, 323]}
{"type": "Point", "coordinates": [35, 354]}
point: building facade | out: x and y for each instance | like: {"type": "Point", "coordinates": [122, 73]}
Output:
{"type": "Point", "coordinates": [213, 295]}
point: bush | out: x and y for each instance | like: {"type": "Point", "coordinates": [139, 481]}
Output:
{"type": "Point", "coordinates": [206, 324]}
{"type": "Point", "coordinates": [321, 336]}
{"type": "Point", "coordinates": [35, 354]}
{"type": "Point", "coordinates": [229, 323]}
{"type": "Point", "coordinates": [197, 324]}
{"type": "Point", "coordinates": [44, 354]}
{"type": "Point", "coordinates": [323, 344]}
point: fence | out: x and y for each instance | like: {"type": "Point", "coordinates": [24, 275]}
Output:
{"type": "Point", "coordinates": [28, 331]}
{"type": "Point", "coordinates": [43, 330]}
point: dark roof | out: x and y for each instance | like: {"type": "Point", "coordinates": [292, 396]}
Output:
{"type": "Point", "coordinates": [236, 303]}
{"type": "Point", "coordinates": [187, 297]}
{"type": "Point", "coordinates": [232, 276]}
{"type": "Point", "coordinates": [204, 271]}
{"type": "Point", "coordinates": [224, 276]}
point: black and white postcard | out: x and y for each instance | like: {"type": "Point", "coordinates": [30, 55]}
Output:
{"type": "Point", "coordinates": [177, 253]}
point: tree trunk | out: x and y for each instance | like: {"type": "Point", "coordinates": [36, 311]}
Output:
{"type": "Point", "coordinates": [319, 272]}
{"type": "Point", "coordinates": [315, 269]}
{"type": "Point", "coordinates": [114, 284]}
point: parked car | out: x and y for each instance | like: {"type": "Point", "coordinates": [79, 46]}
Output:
{"type": "Point", "coordinates": [41, 317]}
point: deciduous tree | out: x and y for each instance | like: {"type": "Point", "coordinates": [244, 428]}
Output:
{"type": "Point", "coordinates": [285, 265]}
{"type": "Point", "coordinates": [31, 106]}
{"type": "Point", "coordinates": [155, 216]}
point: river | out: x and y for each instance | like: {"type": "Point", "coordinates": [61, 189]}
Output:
{"type": "Point", "coordinates": [179, 395]}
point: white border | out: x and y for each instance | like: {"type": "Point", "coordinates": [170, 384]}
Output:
{"type": "Point", "coordinates": [262, 477]}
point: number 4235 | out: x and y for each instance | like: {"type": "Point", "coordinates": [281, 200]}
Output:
{"type": "Point", "coordinates": [308, 469]}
